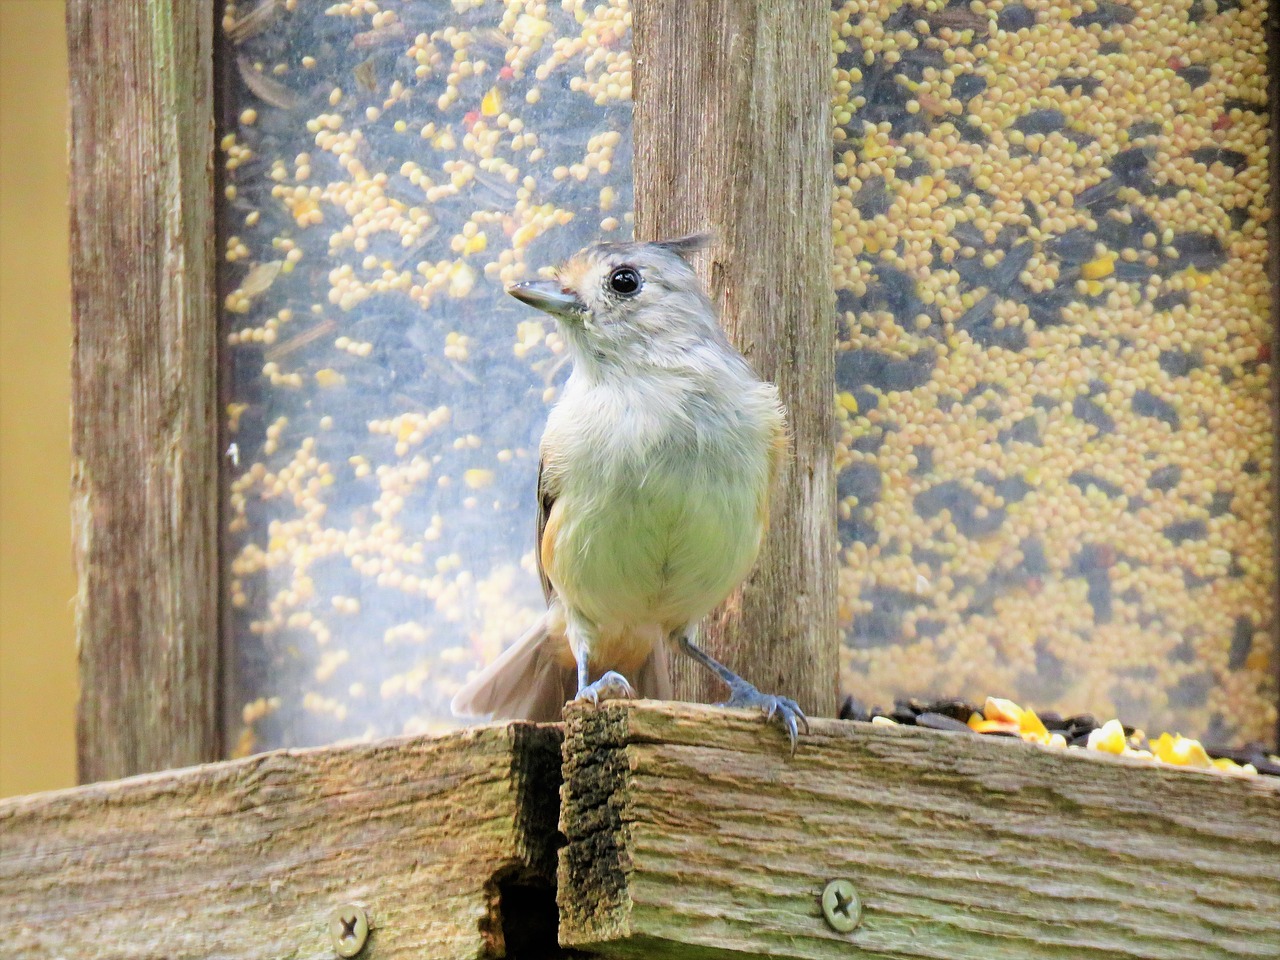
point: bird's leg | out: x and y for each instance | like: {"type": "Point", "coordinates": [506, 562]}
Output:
{"type": "Point", "coordinates": [610, 686]}
{"type": "Point", "coordinates": [745, 695]}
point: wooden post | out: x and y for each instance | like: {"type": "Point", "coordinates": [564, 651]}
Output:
{"type": "Point", "coordinates": [144, 375]}
{"type": "Point", "coordinates": [732, 133]}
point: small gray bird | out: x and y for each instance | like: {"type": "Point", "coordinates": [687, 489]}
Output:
{"type": "Point", "coordinates": [653, 488]}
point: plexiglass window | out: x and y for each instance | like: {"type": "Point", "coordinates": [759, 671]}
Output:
{"type": "Point", "coordinates": [1053, 384]}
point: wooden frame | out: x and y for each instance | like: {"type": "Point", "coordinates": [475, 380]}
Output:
{"type": "Point", "coordinates": [692, 832]}
{"type": "Point", "coordinates": [144, 384]}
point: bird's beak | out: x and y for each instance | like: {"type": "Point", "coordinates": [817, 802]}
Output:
{"type": "Point", "coordinates": [548, 296]}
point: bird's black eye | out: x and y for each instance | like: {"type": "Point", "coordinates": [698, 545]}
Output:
{"type": "Point", "coordinates": [624, 281]}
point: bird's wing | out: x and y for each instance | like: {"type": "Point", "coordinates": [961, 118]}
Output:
{"type": "Point", "coordinates": [546, 500]}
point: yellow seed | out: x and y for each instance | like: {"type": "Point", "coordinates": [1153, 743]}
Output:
{"type": "Point", "coordinates": [492, 103]}
{"type": "Point", "coordinates": [329, 377]}
{"type": "Point", "coordinates": [1182, 751]}
{"type": "Point", "coordinates": [478, 479]}
{"type": "Point", "coordinates": [1104, 266]}
{"type": "Point", "coordinates": [1003, 710]}
{"type": "Point", "coordinates": [461, 280]}
{"type": "Point", "coordinates": [1108, 738]}
{"type": "Point", "coordinates": [1196, 279]}
{"type": "Point", "coordinates": [1032, 727]}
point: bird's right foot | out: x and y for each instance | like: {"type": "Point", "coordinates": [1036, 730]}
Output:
{"type": "Point", "coordinates": [611, 686]}
{"type": "Point", "coordinates": [784, 710]}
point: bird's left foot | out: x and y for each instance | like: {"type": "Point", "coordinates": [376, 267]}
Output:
{"type": "Point", "coordinates": [744, 695]}
{"type": "Point", "coordinates": [611, 686]}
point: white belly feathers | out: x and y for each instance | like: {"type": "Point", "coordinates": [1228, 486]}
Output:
{"type": "Point", "coordinates": [657, 521]}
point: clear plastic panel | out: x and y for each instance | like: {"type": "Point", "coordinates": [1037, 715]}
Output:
{"type": "Point", "coordinates": [1054, 375]}
{"type": "Point", "coordinates": [388, 167]}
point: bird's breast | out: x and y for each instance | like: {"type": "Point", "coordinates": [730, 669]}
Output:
{"type": "Point", "coordinates": [657, 520]}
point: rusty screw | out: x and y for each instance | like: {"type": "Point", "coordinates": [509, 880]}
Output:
{"type": "Point", "coordinates": [348, 929]}
{"type": "Point", "coordinates": [841, 906]}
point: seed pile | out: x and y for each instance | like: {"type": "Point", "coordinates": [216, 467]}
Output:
{"type": "Point", "coordinates": [1004, 718]}
{"type": "Point", "coordinates": [388, 167]}
{"type": "Point", "coordinates": [1054, 372]}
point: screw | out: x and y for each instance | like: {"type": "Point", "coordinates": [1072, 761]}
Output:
{"type": "Point", "coordinates": [841, 906]}
{"type": "Point", "coordinates": [348, 929]}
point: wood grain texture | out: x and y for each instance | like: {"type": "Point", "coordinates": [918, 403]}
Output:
{"type": "Point", "coordinates": [693, 833]}
{"type": "Point", "coordinates": [435, 837]}
{"type": "Point", "coordinates": [144, 384]}
{"type": "Point", "coordinates": [732, 133]}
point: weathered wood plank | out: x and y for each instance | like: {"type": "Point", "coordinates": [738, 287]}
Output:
{"type": "Point", "coordinates": [144, 383]}
{"type": "Point", "coordinates": [692, 833]}
{"type": "Point", "coordinates": [445, 841]}
{"type": "Point", "coordinates": [732, 122]}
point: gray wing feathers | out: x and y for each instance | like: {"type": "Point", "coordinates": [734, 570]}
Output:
{"type": "Point", "coordinates": [524, 683]}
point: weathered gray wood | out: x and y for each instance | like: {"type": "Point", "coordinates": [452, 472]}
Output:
{"type": "Point", "coordinates": [442, 840]}
{"type": "Point", "coordinates": [693, 833]}
{"type": "Point", "coordinates": [144, 383]}
{"type": "Point", "coordinates": [733, 132]}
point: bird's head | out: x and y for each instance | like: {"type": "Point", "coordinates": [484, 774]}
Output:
{"type": "Point", "coordinates": [627, 302]}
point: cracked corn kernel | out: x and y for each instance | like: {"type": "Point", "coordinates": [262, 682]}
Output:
{"type": "Point", "coordinates": [1109, 738]}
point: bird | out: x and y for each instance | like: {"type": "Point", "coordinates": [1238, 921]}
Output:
{"type": "Point", "coordinates": [654, 476]}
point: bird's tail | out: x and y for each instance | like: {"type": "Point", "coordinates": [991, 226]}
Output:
{"type": "Point", "coordinates": [529, 682]}
{"type": "Point", "coordinates": [524, 683]}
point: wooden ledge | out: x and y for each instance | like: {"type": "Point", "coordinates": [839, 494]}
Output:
{"type": "Point", "coordinates": [447, 842]}
{"type": "Point", "coordinates": [692, 833]}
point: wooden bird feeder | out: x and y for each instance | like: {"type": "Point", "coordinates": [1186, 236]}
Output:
{"type": "Point", "coordinates": [639, 829]}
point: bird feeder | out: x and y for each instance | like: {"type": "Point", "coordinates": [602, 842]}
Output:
{"type": "Point", "coordinates": [1011, 266]}
{"type": "Point", "coordinates": [1053, 397]}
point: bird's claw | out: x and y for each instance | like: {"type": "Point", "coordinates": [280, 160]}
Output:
{"type": "Point", "coordinates": [610, 686]}
{"type": "Point", "coordinates": [744, 695]}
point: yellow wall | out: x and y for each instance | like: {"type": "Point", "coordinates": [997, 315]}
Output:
{"type": "Point", "coordinates": [37, 653]}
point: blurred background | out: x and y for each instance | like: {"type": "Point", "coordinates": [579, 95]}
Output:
{"type": "Point", "coordinates": [37, 648]}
